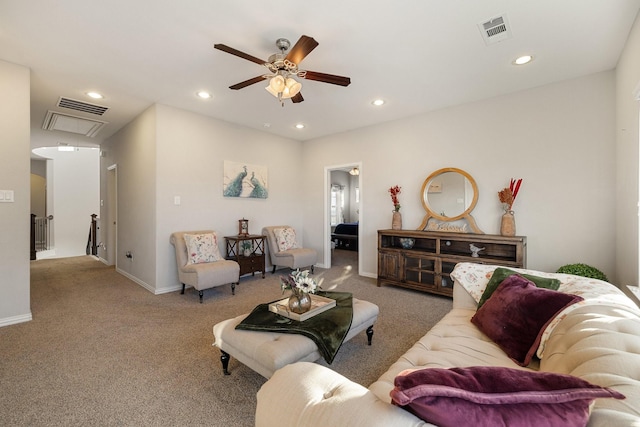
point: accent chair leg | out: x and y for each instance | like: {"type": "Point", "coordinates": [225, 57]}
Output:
{"type": "Point", "coordinates": [224, 358]}
{"type": "Point", "coordinates": [233, 288]}
{"type": "Point", "coordinates": [312, 269]}
{"type": "Point", "coordinates": [182, 292]}
{"type": "Point", "coordinates": [201, 293]}
{"type": "Point", "coordinates": [274, 270]}
{"type": "Point", "coordinates": [370, 334]}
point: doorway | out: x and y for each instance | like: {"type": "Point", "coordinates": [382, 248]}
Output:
{"type": "Point", "coordinates": [343, 198]}
{"type": "Point", "coordinates": [111, 223]}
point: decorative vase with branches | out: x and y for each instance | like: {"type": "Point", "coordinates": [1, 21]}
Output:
{"type": "Point", "coordinates": [507, 197]}
{"type": "Point", "coordinates": [396, 221]}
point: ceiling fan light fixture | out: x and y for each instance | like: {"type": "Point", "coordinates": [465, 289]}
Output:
{"type": "Point", "coordinates": [271, 91]}
{"type": "Point", "coordinates": [283, 66]}
{"type": "Point", "coordinates": [277, 84]}
{"type": "Point", "coordinates": [292, 87]}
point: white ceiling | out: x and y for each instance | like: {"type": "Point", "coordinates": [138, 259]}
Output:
{"type": "Point", "coordinates": [418, 55]}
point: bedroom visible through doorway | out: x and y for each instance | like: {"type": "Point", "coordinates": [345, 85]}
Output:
{"type": "Point", "coordinates": [343, 215]}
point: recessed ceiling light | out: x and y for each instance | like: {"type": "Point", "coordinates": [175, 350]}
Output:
{"type": "Point", "coordinates": [378, 102]}
{"type": "Point", "coordinates": [525, 59]}
{"type": "Point", "coordinates": [95, 95]}
{"type": "Point", "coordinates": [204, 94]}
{"type": "Point", "coordinates": [299, 126]}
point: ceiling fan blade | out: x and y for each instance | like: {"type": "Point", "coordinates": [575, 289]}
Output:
{"type": "Point", "coordinates": [236, 52]}
{"type": "Point", "coordinates": [301, 49]}
{"type": "Point", "coordinates": [328, 78]}
{"type": "Point", "coordinates": [247, 83]}
{"type": "Point", "coordinates": [297, 98]}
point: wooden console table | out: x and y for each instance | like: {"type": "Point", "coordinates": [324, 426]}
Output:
{"type": "Point", "coordinates": [427, 264]}
{"type": "Point", "coordinates": [248, 251]}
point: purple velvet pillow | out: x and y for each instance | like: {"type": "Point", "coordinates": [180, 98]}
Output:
{"type": "Point", "coordinates": [516, 315]}
{"type": "Point", "coordinates": [496, 396]}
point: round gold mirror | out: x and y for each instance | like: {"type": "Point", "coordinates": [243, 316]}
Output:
{"type": "Point", "coordinates": [449, 196]}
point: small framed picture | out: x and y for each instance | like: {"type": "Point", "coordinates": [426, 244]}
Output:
{"type": "Point", "coordinates": [243, 227]}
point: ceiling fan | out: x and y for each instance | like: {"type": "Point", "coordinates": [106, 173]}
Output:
{"type": "Point", "coordinates": [283, 67]}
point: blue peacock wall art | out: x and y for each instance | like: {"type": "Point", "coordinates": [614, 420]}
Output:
{"type": "Point", "coordinates": [245, 180]}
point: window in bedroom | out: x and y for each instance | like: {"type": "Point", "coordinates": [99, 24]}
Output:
{"type": "Point", "coordinates": [337, 204]}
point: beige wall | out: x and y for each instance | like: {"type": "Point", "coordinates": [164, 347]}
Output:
{"type": "Point", "coordinates": [191, 154]}
{"type": "Point", "coordinates": [133, 149]}
{"type": "Point", "coordinates": [15, 175]}
{"type": "Point", "coordinates": [627, 140]}
{"type": "Point", "coordinates": [559, 138]}
{"type": "Point", "coordinates": [167, 153]}
{"type": "Point", "coordinates": [38, 187]}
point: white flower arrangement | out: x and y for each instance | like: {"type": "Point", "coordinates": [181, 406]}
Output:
{"type": "Point", "coordinates": [299, 282]}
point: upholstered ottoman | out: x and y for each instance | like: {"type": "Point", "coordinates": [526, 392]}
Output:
{"type": "Point", "coordinates": [266, 352]}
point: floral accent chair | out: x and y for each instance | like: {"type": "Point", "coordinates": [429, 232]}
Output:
{"type": "Point", "coordinates": [284, 250]}
{"type": "Point", "coordinates": [199, 262]}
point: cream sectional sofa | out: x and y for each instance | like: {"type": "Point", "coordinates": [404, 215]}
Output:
{"type": "Point", "coordinates": [597, 340]}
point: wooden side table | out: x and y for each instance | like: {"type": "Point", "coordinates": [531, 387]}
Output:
{"type": "Point", "coordinates": [248, 251]}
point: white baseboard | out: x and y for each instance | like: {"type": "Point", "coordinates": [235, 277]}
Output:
{"type": "Point", "coordinates": [16, 319]}
{"type": "Point", "coordinates": [168, 289]}
{"type": "Point", "coordinates": [148, 287]}
{"type": "Point", "coordinates": [138, 281]}
{"type": "Point", "coordinates": [51, 253]}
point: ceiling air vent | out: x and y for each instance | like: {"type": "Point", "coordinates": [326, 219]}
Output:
{"type": "Point", "coordinates": [85, 107]}
{"type": "Point", "coordinates": [74, 124]}
{"type": "Point", "coordinates": [495, 30]}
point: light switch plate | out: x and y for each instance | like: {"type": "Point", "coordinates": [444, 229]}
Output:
{"type": "Point", "coordinates": [6, 196]}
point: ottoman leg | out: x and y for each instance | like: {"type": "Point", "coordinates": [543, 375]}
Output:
{"type": "Point", "coordinates": [370, 334]}
{"type": "Point", "coordinates": [224, 358]}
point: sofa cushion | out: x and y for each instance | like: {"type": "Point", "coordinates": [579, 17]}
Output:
{"type": "Point", "coordinates": [202, 248]}
{"type": "Point", "coordinates": [493, 396]}
{"type": "Point", "coordinates": [285, 238]}
{"type": "Point", "coordinates": [501, 273]}
{"type": "Point", "coordinates": [516, 315]}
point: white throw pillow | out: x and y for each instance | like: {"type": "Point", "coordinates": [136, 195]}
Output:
{"type": "Point", "coordinates": [285, 238]}
{"type": "Point", "coordinates": [202, 248]}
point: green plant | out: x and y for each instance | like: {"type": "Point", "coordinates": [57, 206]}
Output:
{"type": "Point", "coordinates": [583, 270]}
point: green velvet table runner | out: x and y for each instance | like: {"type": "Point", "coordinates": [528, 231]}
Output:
{"type": "Point", "coordinates": [327, 329]}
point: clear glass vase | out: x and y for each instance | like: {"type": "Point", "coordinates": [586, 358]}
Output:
{"type": "Point", "coordinates": [299, 302]}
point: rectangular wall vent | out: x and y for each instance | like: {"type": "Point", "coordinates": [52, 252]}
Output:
{"type": "Point", "coordinates": [495, 30]}
{"type": "Point", "coordinates": [85, 107]}
{"type": "Point", "coordinates": [67, 123]}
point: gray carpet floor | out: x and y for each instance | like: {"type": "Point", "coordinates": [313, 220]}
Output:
{"type": "Point", "coordinates": [101, 350]}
